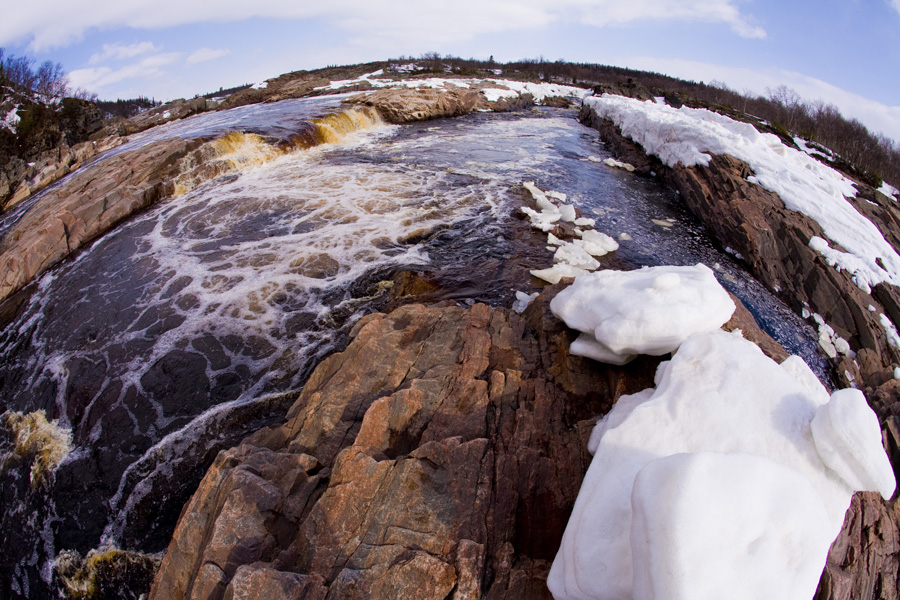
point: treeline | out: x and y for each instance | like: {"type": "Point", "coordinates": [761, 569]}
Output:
{"type": "Point", "coordinates": [872, 156]}
{"type": "Point", "coordinates": [125, 108]}
{"type": "Point", "coordinates": [49, 79]}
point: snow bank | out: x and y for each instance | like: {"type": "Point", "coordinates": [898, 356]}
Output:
{"type": "Point", "coordinates": [733, 474]}
{"type": "Point", "coordinates": [492, 89]}
{"type": "Point", "coordinates": [889, 191]}
{"type": "Point", "coordinates": [11, 119]}
{"type": "Point", "coordinates": [689, 136]}
{"type": "Point", "coordinates": [648, 311]}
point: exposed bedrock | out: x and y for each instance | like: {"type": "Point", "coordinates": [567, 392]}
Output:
{"type": "Point", "coordinates": [774, 242]}
{"type": "Point", "coordinates": [438, 456]}
{"type": "Point", "coordinates": [405, 105]}
{"type": "Point", "coordinates": [94, 200]}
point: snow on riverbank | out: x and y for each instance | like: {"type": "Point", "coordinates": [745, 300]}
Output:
{"type": "Point", "coordinates": [734, 473]}
{"type": "Point", "coordinates": [688, 136]}
{"type": "Point", "coordinates": [492, 89]}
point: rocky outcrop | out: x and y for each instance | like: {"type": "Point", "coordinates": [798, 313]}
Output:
{"type": "Point", "coordinates": [94, 200]}
{"type": "Point", "coordinates": [438, 456]}
{"type": "Point", "coordinates": [774, 243]}
{"type": "Point", "coordinates": [405, 105]}
{"type": "Point", "coordinates": [48, 144]}
{"type": "Point", "coordinates": [20, 179]}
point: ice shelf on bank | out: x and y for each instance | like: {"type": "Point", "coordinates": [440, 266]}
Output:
{"type": "Point", "coordinates": [731, 476]}
{"type": "Point", "coordinates": [689, 136]}
{"type": "Point", "coordinates": [648, 311]}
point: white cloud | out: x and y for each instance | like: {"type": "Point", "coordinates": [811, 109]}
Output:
{"type": "Point", "coordinates": [877, 117]}
{"type": "Point", "coordinates": [120, 52]}
{"type": "Point", "coordinates": [617, 12]}
{"type": "Point", "coordinates": [95, 79]}
{"type": "Point", "coordinates": [895, 4]}
{"type": "Point", "coordinates": [206, 54]}
{"type": "Point", "coordinates": [61, 22]}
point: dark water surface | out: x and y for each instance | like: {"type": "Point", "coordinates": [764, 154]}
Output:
{"type": "Point", "coordinates": [198, 321]}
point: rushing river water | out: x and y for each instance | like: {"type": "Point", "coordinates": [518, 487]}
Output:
{"type": "Point", "coordinates": [197, 321]}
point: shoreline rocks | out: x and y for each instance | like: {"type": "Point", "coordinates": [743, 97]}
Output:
{"type": "Point", "coordinates": [438, 456]}
{"type": "Point", "coordinates": [774, 243]}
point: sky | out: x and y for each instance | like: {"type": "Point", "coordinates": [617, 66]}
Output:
{"type": "Point", "coordinates": [844, 52]}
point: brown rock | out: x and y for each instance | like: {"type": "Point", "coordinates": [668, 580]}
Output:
{"type": "Point", "coordinates": [864, 562]}
{"type": "Point", "coordinates": [438, 456]}
{"type": "Point", "coordinates": [404, 105]}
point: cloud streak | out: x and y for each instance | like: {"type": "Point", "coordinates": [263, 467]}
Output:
{"type": "Point", "coordinates": [205, 55]}
{"type": "Point", "coordinates": [120, 52]}
{"type": "Point", "coordinates": [62, 22]}
{"type": "Point", "coordinates": [96, 78]}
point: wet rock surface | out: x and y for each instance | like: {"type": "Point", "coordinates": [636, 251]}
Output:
{"type": "Point", "coordinates": [774, 243]}
{"type": "Point", "coordinates": [86, 206]}
{"type": "Point", "coordinates": [438, 456]}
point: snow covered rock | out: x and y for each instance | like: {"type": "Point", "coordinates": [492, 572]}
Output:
{"type": "Point", "coordinates": [713, 481]}
{"type": "Point", "coordinates": [648, 311]}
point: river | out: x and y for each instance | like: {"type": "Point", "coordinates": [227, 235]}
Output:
{"type": "Point", "coordinates": [198, 320]}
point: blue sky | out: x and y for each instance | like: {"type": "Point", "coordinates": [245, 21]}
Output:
{"type": "Point", "coordinates": [846, 52]}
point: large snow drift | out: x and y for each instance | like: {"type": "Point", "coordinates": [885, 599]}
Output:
{"type": "Point", "coordinates": [688, 136]}
{"type": "Point", "coordinates": [731, 477]}
{"type": "Point", "coordinates": [648, 311]}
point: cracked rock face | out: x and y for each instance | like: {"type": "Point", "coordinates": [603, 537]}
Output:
{"type": "Point", "coordinates": [438, 456]}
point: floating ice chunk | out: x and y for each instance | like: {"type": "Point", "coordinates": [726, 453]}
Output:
{"type": "Point", "coordinates": [585, 222]}
{"type": "Point", "coordinates": [662, 223]}
{"type": "Point", "coordinates": [618, 164]}
{"type": "Point", "coordinates": [719, 394]}
{"type": "Point", "coordinates": [575, 256]}
{"type": "Point", "coordinates": [558, 195]}
{"type": "Point", "coordinates": [544, 220]}
{"type": "Point", "coordinates": [522, 301]}
{"type": "Point", "coordinates": [648, 311]}
{"type": "Point", "coordinates": [541, 198]}
{"type": "Point", "coordinates": [848, 438]}
{"type": "Point", "coordinates": [567, 212]}
{"type": "Point", "coordinates": [707, 522]}
{"type": "Point", "coordinates": [595, 159]}
{"type": "Point", "coordinates": [557, 272]}
{"type": "Point", "coordinates": [596, 243]}
{"type": "Point", "coordinates": [554, 241]}
{"type": "Point", "coordinates": [624, 237]}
